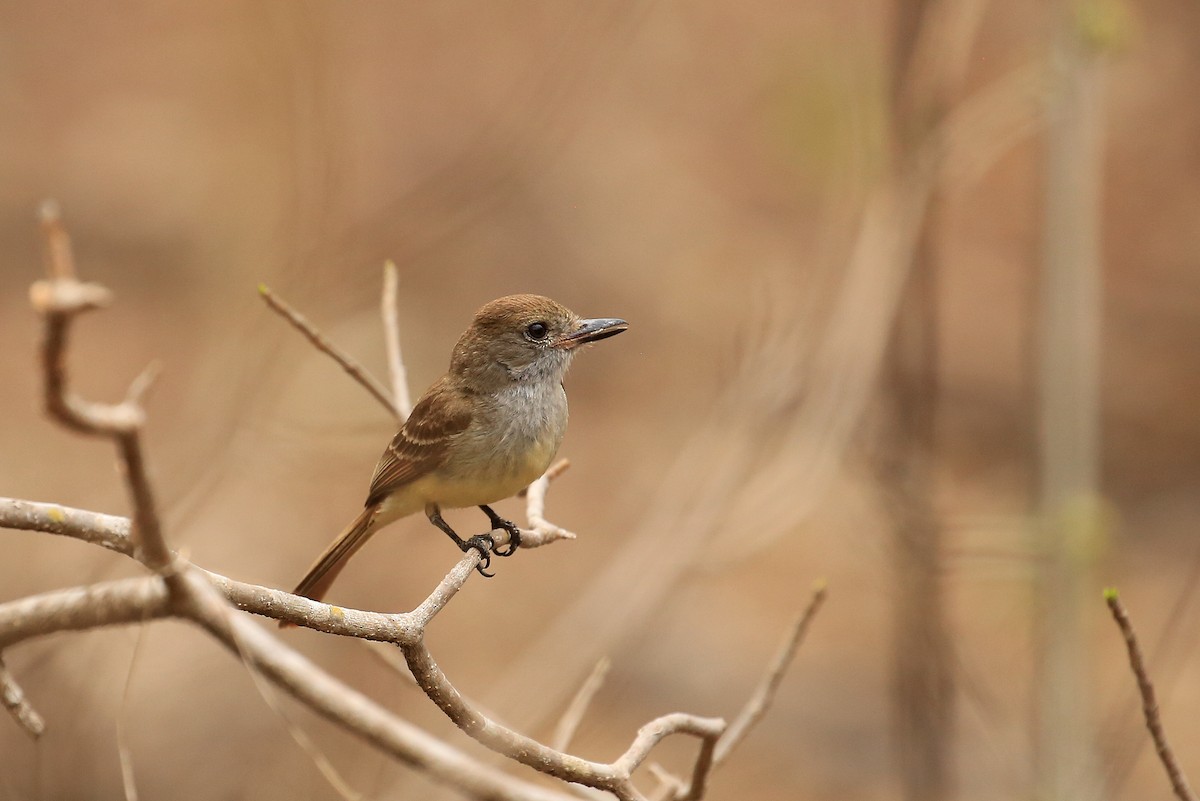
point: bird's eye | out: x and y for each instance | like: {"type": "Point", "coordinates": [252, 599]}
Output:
{"type": "Point", "coordinates": [537, 331]}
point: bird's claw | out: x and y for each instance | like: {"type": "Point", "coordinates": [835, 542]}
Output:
{"type": "Point", "coordinates": [500, 524]}
{"type": "Point", "coordinates": [485, 545]}
{"type": "Point", "coordinates": [514, 538]}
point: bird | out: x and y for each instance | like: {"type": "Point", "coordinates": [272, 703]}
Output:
{"type": "Point", "coordinates": [481, 433]}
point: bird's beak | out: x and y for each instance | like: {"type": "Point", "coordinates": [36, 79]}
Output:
{"type": "Point", "coordinates": [591, 331]}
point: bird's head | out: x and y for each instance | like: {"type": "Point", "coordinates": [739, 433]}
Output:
{"type": "Point", "coordinates": [524, 338]}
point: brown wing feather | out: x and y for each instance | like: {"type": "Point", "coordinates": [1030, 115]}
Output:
{"type": "Point", "coordinates": [423, 441]}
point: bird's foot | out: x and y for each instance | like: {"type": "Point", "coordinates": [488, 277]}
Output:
{"type": "Point", "coordinates": [500, 524]}
{"type": "Point", "coordinates": [514, 538]}
{"type": "Point", "coordinates": [484, 544]}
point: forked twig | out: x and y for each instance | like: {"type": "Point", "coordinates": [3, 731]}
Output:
{"type": "Point", "coordinates": [59, 299]}
{"type": "Point", "coordinates": [1166, 755]}
{"type": "Point", "coordinates": [321, 343]}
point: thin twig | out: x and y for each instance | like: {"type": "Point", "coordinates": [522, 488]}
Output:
{"type": "Point", "coordinates": [59, 299]}
{"type": "Point", "coordinates": [143, 383]}
{"type": "Point", "coordinates": [446, 589]}
{"type": "Point", "coordinates": [60, 260]}
{"type": "Point", "coordinates": [150, 546]}
{"type": "Point", "coordinates": [391, 339]}
{"type": "Point", "coordinates": [14, 700]}
{"type": "Point", "coordinates": [764, 694]}
{"type": "Point", "coordinates": [541, 531]}
{"type": "Point", "coordinates": [1179, 782]}
{"type": "Point", "coordinates": [568, 724]}
{"type": "Point", "coordinates": [347, 363]}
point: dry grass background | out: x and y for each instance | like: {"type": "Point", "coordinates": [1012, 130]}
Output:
{"type": "Point", "coordinates": [696, 169]}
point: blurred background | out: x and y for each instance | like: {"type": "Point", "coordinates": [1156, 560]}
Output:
{"type": "Point", "coordinates": [914, 307]}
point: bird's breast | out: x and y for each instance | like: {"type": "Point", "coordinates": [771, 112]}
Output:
{"type": "Point", "coordinates": [510, 444]}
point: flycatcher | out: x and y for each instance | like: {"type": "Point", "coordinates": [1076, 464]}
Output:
{"type": "Point", "coordinates": [485, 430]}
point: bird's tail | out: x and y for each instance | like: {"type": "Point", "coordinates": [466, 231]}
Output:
{"type": "Point", "coordinates": [325, 570]}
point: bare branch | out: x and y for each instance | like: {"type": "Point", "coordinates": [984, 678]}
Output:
{"type": "Point", "coordinates": [496, 737]}
{"type": "Point", "coordinates": [445, 590]}
{"type": "Point", "coordinates": [107, 531]}
{"type": "Point", "coordinates": [1166, 755]}
{"type": "Point", "coordinates": [401, 398]}
{"type": "Point", "coordinates": [310, 331]}
{"type": "Point", "coordinates": [138, 600]}
{"type": "Point", "coordinates": [573, 716]}
{"type": "Point", "coordinates": [347, 707]}
{"type": "Point", "coordinates": [149, 545]}
{"type": "Point", "coordinates": [650, 735]}
{"type": "Point", "coordinates": [614, 776]}
{"type": "Point", "coordinates": [393, 659]}
{"type": "Point", "coordinates": [59, 300]}
{"type": "Point", "coordinates": [143, 599]}
{"type": "Point", "coordinates": [107, 603]}
{"type": "Point", "coordinates": [112, 532]}
{"type": "Point", "coordinates": [13, 699]}
{"type": "Point", "coordinates": [541, 531]}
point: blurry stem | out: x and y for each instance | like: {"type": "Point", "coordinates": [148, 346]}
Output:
{"type": "Point", "coordinates": [401, 398]}
{"type": "Point", "coordinates": [922, 698]}
{"type": "Point", "coordinates": [1068, 341]}
{"type": "Point", "coordinates": [922, 680]}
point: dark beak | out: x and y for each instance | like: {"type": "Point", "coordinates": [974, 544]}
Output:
{"type": "Point", "coordinates": [592, 331]}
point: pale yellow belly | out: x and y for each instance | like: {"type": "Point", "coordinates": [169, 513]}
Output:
{"type": "Point", "coordinates": [460, 486]}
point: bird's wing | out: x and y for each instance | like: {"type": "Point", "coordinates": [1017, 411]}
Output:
{"type": "Point", "coordinates": [423, 441]}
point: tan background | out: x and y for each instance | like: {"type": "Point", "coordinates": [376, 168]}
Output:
{"type": "Point", "coordinates": [696, 168]}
